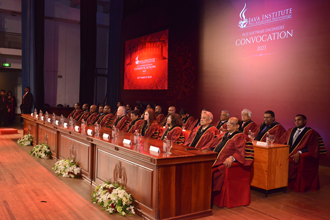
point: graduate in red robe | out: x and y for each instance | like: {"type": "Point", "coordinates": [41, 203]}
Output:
{"type": "Point", "coordinates": [203, 135]}
{"type": "Point", "coordinates": [150, 127]}
{"type": "Point", "coordinates": [301, 139]}
{"type": "Point", "coordinates": [128, 110]}
{"type": "Point", "coordinates": [160, 116]}
{"type": "Point", "coordinates": [269, 126]}
{"type": "Point", "coordinates": [248, 125]}
{"type": "Point", "coordinates": [234, 146]}
{"type": "Point", "coordinates": [187, 120]}
{"type": "Point", "coordinates": [222, 124]}
{"type": "Point", "coordinates": [90, 117]}
{"type": "Point", "coordinates": [173, 130]}
{"type": "Point", "coordinates": [118, 104]}
{"type": "Point", "coordinates": [135, 124]}
{"type": "Point", "coordinates": [170, 110]}
{"type": "Point", "coordinates": [121, 120]}
{"type": "Point", "coordinates": [106, 117]}
{"type": "Point", "coordinates": [12, 106]}
{"type": "Point", "coordinates": [76, 112]}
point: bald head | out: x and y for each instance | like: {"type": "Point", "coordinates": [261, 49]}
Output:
{"type": "Point", "coordinates": [158, 109]}
{"type": "Point", "coordinates": [93, 108]}
{"type": "Point", "coordinates": [232, 124]}
{"type": "Point", "coordinates": [171, 110]}
{"type": "Point", "coordinates": [121, 111]}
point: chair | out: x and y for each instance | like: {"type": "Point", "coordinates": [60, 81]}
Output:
{"type": "Point", "coordinates": [235, 189]}
{"type": "Point", "coordinates": [307, 175]}
{"type": "Point", "coordinates": [60, 105]}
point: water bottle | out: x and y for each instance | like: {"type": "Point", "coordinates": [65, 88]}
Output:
{"type": "Point", "coordinates": [267, 138]}
{"type": "Point", "coordinates": [62, 120]}
{"type": "Point", "coordinates": [97, 129]}
{"type": "Point", "coordinates": [113, 131]}
{"type": "Point", "coordinates": [165, 144]}
{"type": "Point", "coordinates": [40, 113]}
{"type": "Point", "coordinates": [46, 115]}
{"type": "Point", "coordinates": [136, 137]}
{"type": "Point", "coordinates": [71, 123]}
{"type": "Point", "coordinates": [83, 126]}
{"type": "Point", "coordinates": [53, 119]}
{"type": "Point", "coordinates": [35, 112]}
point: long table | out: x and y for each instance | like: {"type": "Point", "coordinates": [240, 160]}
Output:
{"type": "Point", "coordinates": [175, 186]}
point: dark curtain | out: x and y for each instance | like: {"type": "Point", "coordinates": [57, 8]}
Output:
{"type": "Point", "coordinates": [116, 14]}
{"type": "Point", "coordinates": [33, 49]}
{"type": "Point", "coordinates": [88, 9]}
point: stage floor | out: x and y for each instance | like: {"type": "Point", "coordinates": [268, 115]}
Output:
{"type": "Point", "coordinates": [26, 181]}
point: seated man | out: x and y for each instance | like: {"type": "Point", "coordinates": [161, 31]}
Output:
{"type": "Point", "coordinates": [173, 131]}
{"type": "Point", "coordinates": [233, 146]}
{"type": "Point", "coordinates": [269, 126]}
{"type": "Point", "coordinates": [135, 124]}
{"type": "Point", "coordinates": [196, 123]}
{"type": "Point", "coordinates": [248, 125]}
{"type": "Point", "coordinates": [301, 139]}
{"type": "Point", "coordinates": [203, 135]}
{"type": "Point", "coordinates": [122, 119]}
{"type": "Point", "coordinates": [221, 125]}
{"type": "Point", "coordinates": [170, 110]}
{"type": "Point", "coordinates": [85, 107]}
{"type": "Point", "coordinates": [76, 112]}
{"type": "Point", "coordinates": [118, 104]}
{"type": "Point", "coordinates": [128, 110]}
{"type": "Point", "coordinates": [187, 120]}
{"type": "Point", "coordinates": [101, 109]}
{"type": "Point", "coordinates": [91, 116]}
{"type": "Point", "coordinates": [160, 116]}
{"type": "Point", "coordinates": [106, 118]}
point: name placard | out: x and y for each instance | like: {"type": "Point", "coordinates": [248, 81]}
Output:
{"type": "Point", "coordinates": [31, 114]}
{"type": "Point", "coordinates": [106, 136]}
{"type": "Point", "coordinates": [90, 132]}
{"type": "Point", "coordinates": [76, 128]}
{"type": "Point", "coordinates": [127, 141]}
{"type": "Point", "coordinates": [36, 115]}
{"type": "Point", "coordinates": [65, 125]}
{"type": "Point", "coordinates": [42, 118]}
{"type": "Point", "coordinates": [49, 120]}
{"type": "Point", "coordinates": [57, 122]}
{"type": "Point", "coordinates": [262, 144]}
{"type": "Point", "coordinates": [154, 149]}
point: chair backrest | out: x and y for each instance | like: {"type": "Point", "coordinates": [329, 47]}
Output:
{"type": "Point", "coordinates": [60, 105]}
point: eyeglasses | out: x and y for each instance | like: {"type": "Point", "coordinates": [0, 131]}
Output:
{"type": "Point", "coordinates": [230, 123]}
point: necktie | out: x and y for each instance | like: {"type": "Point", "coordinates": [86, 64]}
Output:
{"type": "Point", "coordinates": [243, 124]}
{"type": "Point", "coordinates": [296, 135]}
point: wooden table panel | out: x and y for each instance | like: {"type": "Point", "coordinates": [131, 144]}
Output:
{"type": "Point", "coordinates": [31, 127]}
{"type": "Point", "coordinates": [49, 137]}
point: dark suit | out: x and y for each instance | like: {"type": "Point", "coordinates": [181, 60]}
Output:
{"type": "Point", "coordinates": [3, 109]}
{"type": "Point", "coordinates": [27, 102]}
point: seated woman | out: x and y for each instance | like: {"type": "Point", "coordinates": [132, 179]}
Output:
{"type": "Point", "coordinates": [173, 130]}
{"type": "Point", "coordinates": [150, 127]}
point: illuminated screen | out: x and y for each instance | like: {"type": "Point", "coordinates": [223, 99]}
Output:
{"type": "Point", "coordinates": [146, 62]}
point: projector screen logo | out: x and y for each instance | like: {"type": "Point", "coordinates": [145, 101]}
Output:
{"type": "Point", "coordinates": [243, 22]}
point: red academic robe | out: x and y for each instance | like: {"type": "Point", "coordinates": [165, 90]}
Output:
{"type": "Point", "coordinates": [307, 141]}
{"type": "Point", "coordinates": [83, 116]}
{"type": "Point", "coordinates": [175, 133]}
{"type": "Point", "coordinates": [278, 130]}
{"type": "Point", "coordinates": [187, 125]}
{"type": "Point", "coordinates": [160, 117]}
{"type": "Point", "coordinates": [223, 126]}
{"type": "Point", "coordinates": [75, 114]}
{"type": "Point", "coordinates": [152, 131]}
{"type": "Point", "coordinates": [205, 140]}
{"type": "Point", "coordinates": [192, 126]}
{"type": "Point", "coordinates": [136, 126]}
{"type": "Point", "coordinates": [237, 145]}
{"type": "Point", "coordinates": [250, 125]}
{"type": "Point", "coordinates": [92, 118]}
{"type": "Point", "coordinates": [103, 120]}
{"type": "Point", "coordinates": [121, 122]}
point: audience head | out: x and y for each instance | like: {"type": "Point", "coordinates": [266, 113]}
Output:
{"type": "Point", "coordinates": [232, 124]}
{"type": "Point", "coordinates": [158, 109]}
{"type": "Point", "coordinates": [3, 92]}
{"type": "Point", "coordinates": [9, 93]}
{"type": "Point", "coordinates": [85, 107]}
{"type": "Point", "coordinates": [269, 117]}
{"type": "Point", "coordinates": [149, 115]}
{"type": "Point", "coordinates": [206, 118]}
{"type": "Point", "coordinates": [224, 115]}
{"type": "Point", "coordinates": [119, 103]}
{"type": "Point", "coordinates": [93, 108]}
{"type": "Point", "coordinates": [174, 120]}
{"type": "Point", "coordinates": [300, 121]}
{"type": "Point", "coordinates": [121, 111]}
{"type": "Point", "coordinates": [148, 106]}
{"type": "Point", "coordinates": [128, 107]}
{"type": "Point", "coordinates": [137, 108]}
{"type": "Point", "coordinates": [107, 109]}
{"type": "Point", "coordinates": [246, 115]}
{"type": "Point", "coordinates": [171, 110]}
{"type": "Point", "coordinates": [27, 89]}
{"type": "Point", "coordinates": [135, 115]}
{"type": "Point", "coordinates": [183, 113]}
{"type": "Point", "coordinates": [77, 105]}
{"type": "Point", "coordinates": [100, 108]}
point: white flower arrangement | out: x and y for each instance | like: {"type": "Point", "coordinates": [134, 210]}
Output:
{"type": "Point", "coordinates": [41, 151]}
{"type": "Point", "coordinates": [113, 198]}
{"type": "Point", "coordinates": [67, 168]}
{"type": "Point", "coordinates": [26, 140]}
